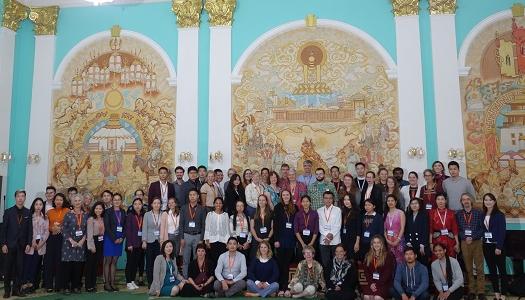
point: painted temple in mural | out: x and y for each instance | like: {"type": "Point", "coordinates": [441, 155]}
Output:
{"type": "Point", "coordinates": [114, 118]}
{"type": "Point", "coordinates": [494, 112]}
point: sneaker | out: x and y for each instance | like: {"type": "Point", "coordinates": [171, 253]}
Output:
{"type": "Point", "coordinates": [134, 285]}
{"type": "Point", "coordinates": [130, 286]}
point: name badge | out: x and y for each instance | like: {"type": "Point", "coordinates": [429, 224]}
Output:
{"type": "Point", "coordinates": [263, 230]}
{"type": "Point", "coordinates": [488, 235]}
{"type": "Point", "coordinates": [366, 234]}
{"type": "Point", "coordinates": [444, 231]}
{"type": "Point", "coordinates": [38, 237]}
{"type": "Point", "coordinates": [288, 225]}
{"type": "Point", "coordinates": [78, 233]}
{"type": "Point", "coordinates": [428, 206]}
{"type": "Point", "coordinates": [156, 233]}
{"type": "Point", "coordinates": [242, 235]}
{"type": "Point", "coordinates": [306, 232]}
{"type": "Point", "coordinates": [119, 228]}
{"type": "Point", "coordinates": [445, 287]}
{"type": "Point", "coordinates": [172, 278]}
{"type": "Point", "coordinates": [191, 224]}
{"type": "Point", "coordinates": [100, 238]}
{"type": "Point", "coordinates": [390, 233]}
{"type": "Point", "coordinates": [375, 276]}
{"type": "Point", "coordinates": [468, 232]}
{"type": "Point", "coordinates": [230, 276]}
{"type": "Point", "coordinates": [344, 230]}
{"type": "Point", "coordinates": [327, 227]}
{"type": "Point", "coordinates": [139, 233]}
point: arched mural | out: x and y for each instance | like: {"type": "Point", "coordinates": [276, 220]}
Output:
{"type": "Point", "coordinates": [318, 93]}
{"type": "Point", "coordinates": [114, 117]}
{"type": "Point", "coordinates": [493, 100]}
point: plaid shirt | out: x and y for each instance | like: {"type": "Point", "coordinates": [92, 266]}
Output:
{"type": "Point", "coordinates": [316, 191]}
{"type": "Point", "coordinates": [470, 221]}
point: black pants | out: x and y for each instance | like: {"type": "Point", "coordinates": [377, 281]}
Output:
{"type": "Point", "coordinates": [132, 263]}
{"type": "Point", "coordinates": [495, 264]}
{"type": "Point", "coordinates": [14, 263]}
{"type": "Point", "coordinates": [343, 294]}
{"type": "Point", "coordinates": [72, 271]}
{"type": "Point", "coordinates": [285, 257]}
{"type": "Point", "coordinates": [92, 262]}
{"type": "Point", "coordinates": [142, 262]}
{"type": "Point", "coordinates": [52, 259]}
{"type": "Point", "coordinates": [152, 251]}
{"type": "Point", "coordinates": [216, 249]}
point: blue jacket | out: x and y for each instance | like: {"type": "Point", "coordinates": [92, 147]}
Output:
{"type": "Point", "coordinates": [411, 281]}
{"type": "Point", "coordinates": [498, 227]}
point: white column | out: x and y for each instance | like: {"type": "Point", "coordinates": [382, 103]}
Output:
{"type": "Point", "coordinates": [410, 92]}
{"type": "Point", "coordinates": [39, 140]}
{"type": "Point", "coordinates": [447, 96]}
{"type": "Point", "coordinates": [220, 100]}
{"type": "Point", "coordinates": [187, 94]}
{"type": "Point", "coordinates": [7, 59]}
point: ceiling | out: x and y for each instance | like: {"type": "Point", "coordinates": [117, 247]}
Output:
{"type": "Point", "coordinates": [77, 3]}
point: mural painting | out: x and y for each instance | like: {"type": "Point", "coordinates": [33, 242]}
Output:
{"type": "Point", "coordinates": [493, 99]}
{"type": "Point", "coordinates": [315, 93]}
{"type": "Point", "coordinates": [114, 118]}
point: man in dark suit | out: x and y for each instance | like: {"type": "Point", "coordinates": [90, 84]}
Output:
{"type": "Point", "coordinates": [16, 238]}
{"type": "Point", "coordinates": [161, 188]}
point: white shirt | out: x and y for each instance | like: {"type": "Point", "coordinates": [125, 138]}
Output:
{"type": "Point", "coordinates": [252, 194]}
{"type": "Point", "coordinates": [329, 222]}
{"type": "Point", "coordinates": [173, 223]}
{"type": "Point", "coordinates": [217, 227]}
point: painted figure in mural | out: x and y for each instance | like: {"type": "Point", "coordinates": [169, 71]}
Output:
{"type": "Point", "coordinates": [155, 155]}
{"type": "Point", "coordinates": [384, 132]}
{"type": "Point", "coordinates": [352, 159]}
{"type": "Point", "coordinates": [279, 155]}
{"type": "Point", "coordinates": [309, 153]}
{"type": "Point", "coordinates": [111, 164]}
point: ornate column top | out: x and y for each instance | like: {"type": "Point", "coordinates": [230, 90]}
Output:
{"type": "Point", "coordinates": [14, 13]}
{"type": "Point", "coordinates": [188, 12]}
{"type": "Point", "coordinates": [442, 7]}
{"type": "Point", "coordinates": [44, 18]}
{"type": "Point", "coordinates": [220, 12]}
{"type": "Point", "coordinates": [405, 7]}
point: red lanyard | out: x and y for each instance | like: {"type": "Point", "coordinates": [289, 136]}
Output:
{"type": "Point", "coordinates": [306, 219]}
{"type": "Point", "coordinates": [79, 220]}
{"type": "Point", "coordinates": [139, 222]}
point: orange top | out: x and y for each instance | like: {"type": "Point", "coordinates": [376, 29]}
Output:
{"type": "Point", "coordinates": [56, 215]}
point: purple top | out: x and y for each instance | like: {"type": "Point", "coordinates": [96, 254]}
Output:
{"type": "Point", "coordinates": [132, 230]}
{"type": "Point", "coordinates": [301, 218]}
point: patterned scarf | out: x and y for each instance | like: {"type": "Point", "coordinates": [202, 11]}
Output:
{"type": "Point", "coordinates": [339, 270]}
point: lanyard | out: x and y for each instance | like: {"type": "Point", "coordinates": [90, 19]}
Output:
{"type": "Point", "coordinates": [117, 216]}
{"type": "Point", "coordinates": [231, 262]}
{"type": "Point", "coordinates": [375, 263]}
{"type": "Point", "coordinates": [192, 212]}
{"type": "Point", "coordinates": [390, 219]}
{"type": "Point", "coordinates": [337, 185]}
{"type": "Point", "coordinates": [19, 219]}
{"type": "Point", "coordinates": [79, 220]}
{"type": "Point", "coordinates": [443, 271]}
{"type": "Point", "coordinates": [465, 217]}
{"type": "Point", "coordinates": [241, 222]}
{"type": "Point", "coordinates": [156, 221]}
{"type": "Point", "coordinates": [329, 215]}
{"type": "Point", "coordinates": [442, 220]}
{"type": "Point", "coordinates": [306, 219]}
{"type": "Point", "coordinates": [175, 223]}
{"type": "Point", "coordinates": [293, 188]}
{"type": "Point", "coordinates": [139, 222]}
{"type": "Point", "coordinates": [360, 186]}
{"type": "Point", "coordinates": [346, 217]}
{"type": "Point", "coordinates": [170, 266]}
{"type": "Point", "coordinates": [413, 192]}
{"type": "Point", "coordinates": [164, 190]}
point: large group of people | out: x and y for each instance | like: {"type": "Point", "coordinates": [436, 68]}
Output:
{"type": "Point", "coordinates": [411, 238]}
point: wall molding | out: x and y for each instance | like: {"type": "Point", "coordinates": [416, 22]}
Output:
{"type": "Point", "coordinates": [464, 70]}
{"type": "Point", "coordinates": [84, 3]}
{"type": "Point", "coordinates": [391, 65]}
{"type": "Point", "coordinates": [57, 81]}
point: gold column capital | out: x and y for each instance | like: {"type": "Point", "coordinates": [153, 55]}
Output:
{"type": "Point", "coordinates": [188, 12]}
{"type": "Point", "coordinates": [405, 7]}
{"type": "Point", "coordinates": [441, 7]}
{"type": "Point", "coordinates": [45, 19]}
{"type": "Point", "coordinates": [220, 12]}
{"type": "Point", "coordinates": [14, 13]}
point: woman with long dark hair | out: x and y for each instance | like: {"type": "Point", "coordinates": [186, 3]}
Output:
{"type": "Point", "coordinates": [234, 192]}
{"type": "Point", "coordinates": [447, 274]}
{"type": "Point", "coordinates": [95, 244]}
{"type": "Point", "coordinates": [169, 225]}
{"type": "Point", "coordinates": [201, 272]}
{"type": "Point", "coordinates": [443, 226]}
{"type": "Point", "coordinates": [416, 230]}
{"type": "Point", "coordinates": [167, 281]}
{"type": "Point", "coordinates": [351, 226]}
{"type": "Point", "coordinates": [114, 229]}
{"type": "Point", "coordinates": [394, 228]}
{"type": "Point", "coordinates": [342, 280]}
{"type": "Point", "coordinates": [134, 251]}
{"type": "Point", "coordinates": [217, 230]}
{"type": "Point", "coordinates": [262, 224]}
{"type": "Point", "coordinates": [493, 245]}
{"type": "Point", "coordinates": [151, 237]}
{"type": "Point", "coordinates": [371, 225]}
{"type": "Point", "coordinates": [240, 228]}
{"type": "Point", "coordinates": [430, 190]}
{"type": "Point", "coordinates": [439, 170]}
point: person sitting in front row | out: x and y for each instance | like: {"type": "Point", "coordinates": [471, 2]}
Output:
{"type": "Point", "coordinates": [343, 277]}
{"type": "Point", "coordinates": [308, 277]}
{"type": "Point", "coordinates": [263, 273]}
{"type": "Point", "coordinates": [230, 271]}
{"type": "Point", "coordinates": [447, 274]}
{"type": "Point", "coordinates": [167, 281]}
{"type": "Point", "coordinates": [411, 279]}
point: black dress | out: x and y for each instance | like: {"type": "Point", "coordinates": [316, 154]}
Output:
{"type": "Point", "coordinates": [199, 277]}
{"type": "Point", "coordinates": [347, 285]}
{"type": "Point", "coordinates": [231, 198]}
{"type": "Point", "coordinates": [350, 230]}
{"type": "Point", "coordinates": [417, 233]}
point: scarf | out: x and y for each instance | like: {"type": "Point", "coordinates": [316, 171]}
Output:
{"type": "Point", "coordinates": [339, 271]}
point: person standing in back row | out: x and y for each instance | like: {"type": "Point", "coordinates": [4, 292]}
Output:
{"type": "Point", "coordinates": [455, 186]}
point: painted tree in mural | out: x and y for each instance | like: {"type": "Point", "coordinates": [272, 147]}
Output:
{"type": "Point", "coordinates": [494, 112]}
{"type": "Point", "coordinates": [114, 118]}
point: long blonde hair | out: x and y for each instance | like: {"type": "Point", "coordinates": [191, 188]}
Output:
{"type": "Point", "coordinates": [270, 253]}
{"type": "Point", "coordinates": [383, 252]}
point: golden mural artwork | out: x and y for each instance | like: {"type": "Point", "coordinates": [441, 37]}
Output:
{"type": "Point", "coordinates": [493, 101]}
{"type": "Point", "coordinates": [114, 118]}
{"type": "Point", "coordinates": [315, 93]}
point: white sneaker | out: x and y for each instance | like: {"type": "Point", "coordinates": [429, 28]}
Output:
{"type": "Point", "coordinates": [134, 285]}
{"type": "Point", "coordinates": [130, 286]}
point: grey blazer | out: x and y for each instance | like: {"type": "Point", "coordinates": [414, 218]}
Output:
{"type": "Point", "coordinates": [149, 228]}
{"type": "Point", "coordinates": [159, 274]}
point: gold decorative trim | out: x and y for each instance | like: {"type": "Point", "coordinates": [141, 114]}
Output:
{"type": "Point", "coordinates": [188, 12]}
{"type": "Point", "coordinates": [405, 7]}
{"type": "Point", "coordinates": [442, 7]}
{"type": "Point", "coordinates": [518, 10]}
{"type": "Point", "coordinates": [45, 19]}
{"type": "Point", "coordinates": [14, 13]}
{"type": "Point", "coordinates": [311, 20]}
{"type": "Point", "coordinates": [220, 12]}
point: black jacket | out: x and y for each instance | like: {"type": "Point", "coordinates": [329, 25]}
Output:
{"type": "Point", "coordinates": [376, 196]}
{"type": "Point", "coordinates": [17, 229]}
{"type": "Point", "coordinates": [110, 223]}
